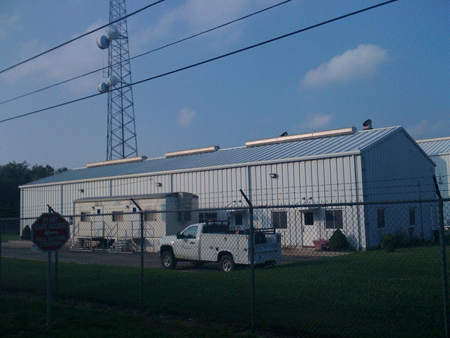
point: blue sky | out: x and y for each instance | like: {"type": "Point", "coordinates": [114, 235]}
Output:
{"type": "Point", "coordinates": [390, 64]}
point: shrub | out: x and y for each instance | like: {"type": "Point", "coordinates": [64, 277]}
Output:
{"type": "Point", "coordinates": [389, 242]}
{"type": "Point", "coordinates": [400, 239]}
{"type": "Point", "coordinates": [26, 233]}
{"type": "Point", "coordinates": [338, 241]}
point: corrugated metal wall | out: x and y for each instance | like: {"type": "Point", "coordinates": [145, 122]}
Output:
{"type": "Point", "coordinates": [400, 173]}
{"type": "Point", "coordinates": [397, 173]}
{"type": "Point", "coordinates": [326, 180]}
{"type": "Point", "coordinates": [442, 173]}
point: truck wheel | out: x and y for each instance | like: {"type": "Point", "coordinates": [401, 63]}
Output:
{"type": "Point", "coordinates": [226, 263]}
{"type": "Point", "coordinates": [168, 260]}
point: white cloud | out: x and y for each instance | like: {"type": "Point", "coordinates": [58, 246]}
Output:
{"type": "Point", "coordinates": [429, 129]}
{"type": "Point", "coordinates": [205, 13]}
{"type": "Point", "coordinates": [76, 58]}
{"type": "Point", "coordinates": [194, 16]}
{"type": "Point", "coordinates": [8, 23]}
{"type": "Point", "coordinates": [419, 128]}
{"type": "Point", "coordinates": [314, 122]}
{"type": "Point", "coordinates": [355, 63]}
{"type": "Point", "coordinates": [185, 117]}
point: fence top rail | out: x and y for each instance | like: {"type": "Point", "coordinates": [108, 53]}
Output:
{"type": "Point", "coordinates": [244, 208]}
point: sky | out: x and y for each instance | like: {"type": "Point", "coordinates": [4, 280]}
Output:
{"type": "Point", "coordinates": [390, 65]}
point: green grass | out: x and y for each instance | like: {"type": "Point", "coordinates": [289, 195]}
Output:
{"type": "Point", "coordinates": [367, 294]}
{"type": "Point", "coordinates": [27, 318]}
{"type": "Point", "coordinates": [10, 237]}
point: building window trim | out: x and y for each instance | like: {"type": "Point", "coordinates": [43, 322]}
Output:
{"type": "Point", "coordinates": [149, 215]}
{"type": "Point", "coordinates": [279, 219]}
{"type": "Point", "coordinates": [84, 216]}
{"type": "Point", "coordinates": [334, 219]}
{"type": "Point", "coordinates": [308, 218]}
{"type": "Point", "coordinates": [117, 216]}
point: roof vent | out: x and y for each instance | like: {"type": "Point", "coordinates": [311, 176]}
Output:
{"type": "Point", "coordinates": [192, 151]}
{"type": "Point", "coordinates": [299, 137]}
{"type": "Point", "coordinates": [119, 161]}
{"type": "Point", "coordinates": [367, 125]}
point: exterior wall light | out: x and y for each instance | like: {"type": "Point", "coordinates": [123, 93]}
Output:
{"type": "Point", "coordinates": [273, 175]}
{"type": "Point", "coordinates": [159, 185]}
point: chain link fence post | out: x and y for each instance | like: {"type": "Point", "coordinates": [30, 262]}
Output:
{"type": "Point", "coordinates": [141, 218]}
{"type": "Point", "coordinates": [252, 261]}
{"type": "Point", "coordinates": [444, 267]}
{"type": "Point", "coordinates": [0, 255]}
{"type": "Point", "coordinates": [142, 258]}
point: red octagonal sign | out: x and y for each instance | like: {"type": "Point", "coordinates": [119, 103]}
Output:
{"type": "Point", "coordinates": [50, 231]}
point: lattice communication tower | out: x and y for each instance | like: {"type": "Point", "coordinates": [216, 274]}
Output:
{"type": "Point", "coordinates": [121, 127]}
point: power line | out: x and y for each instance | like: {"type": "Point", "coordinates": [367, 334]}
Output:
{"type": "Point", "coordinates": [53, 85]}
{"type": "Point", "coordinates": [212, 29]}
{"type": "Point", "coordinates": [149, 52]}
{"type": "Point", "coordinates": [49, 108]}
{"type": "Point", "coordinates": [259, 44]}
{"type": "Point", "coordinates": [79, 37]}
{"type": "Point", "coordinates": [210, 60]}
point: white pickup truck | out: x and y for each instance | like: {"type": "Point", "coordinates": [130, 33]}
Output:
{"type": "Point", "coordinates": [211, 242]}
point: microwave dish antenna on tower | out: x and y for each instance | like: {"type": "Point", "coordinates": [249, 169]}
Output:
{"type": "Point", "coordinates": [112, 33]}
{"type": "Point", "coordinates": [121, 128]}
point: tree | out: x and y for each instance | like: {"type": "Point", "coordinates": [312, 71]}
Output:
{"type": "Point", "coordinates": [13, 175]}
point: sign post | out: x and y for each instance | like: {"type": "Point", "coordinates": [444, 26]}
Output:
{"type": "Point", "coordinates": [49, 233]}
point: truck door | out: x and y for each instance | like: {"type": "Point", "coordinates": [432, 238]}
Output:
{"type": "Point", "coordinates": [188, 245]}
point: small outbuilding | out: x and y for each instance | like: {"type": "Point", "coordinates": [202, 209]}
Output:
{"type": "Point", "coordinates": [116, 222]}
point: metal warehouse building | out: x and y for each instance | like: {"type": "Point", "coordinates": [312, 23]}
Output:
{"type": "Point", "coordinates": [334, 166]}
{"type": "Point", "coordinates": [438, 149]}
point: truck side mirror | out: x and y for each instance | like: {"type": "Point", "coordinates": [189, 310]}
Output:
{"type": "Point", "coordinates": [179, 235]}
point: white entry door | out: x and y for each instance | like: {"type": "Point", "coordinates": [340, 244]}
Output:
{"type": "Point", "coordinates": [311, 226]}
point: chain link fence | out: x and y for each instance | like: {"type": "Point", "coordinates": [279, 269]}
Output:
{"type": "Point", "coordinates": [310, 270]}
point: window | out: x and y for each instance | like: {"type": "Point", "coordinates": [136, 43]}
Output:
{"type": "Point", "coordinates": [117, 216]}
{"type": "Point", "coordinates": [380, 218]}
{"type": "Point", "coordinates": [309, 218]}
{"type": "Point", "coordinates": [190, 232]}
{"type": "Point", "coordinates": [207, 216]}
{"type": "Point", "coordinates": [184, 216]}
{"type": "Point", "coordinates": [279, 219]}
{"type": "Point", "coordinates": [412, 216]}
{"type": "Point", "coordinates": [149, 215]}
{"type": "Point", "coordinates": [187, 215]}
{"type": "Point", "coordinates": [84, 217]}
{"type": "Point", "coordinates": [333, 219]}
{"type": "Point", "coordinates": [238, 219]}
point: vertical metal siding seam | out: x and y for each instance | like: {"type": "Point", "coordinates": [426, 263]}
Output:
{"type": "Point", "coordinates": [61, 200]}
{"type": "Point", "coordinates": [249, 191]}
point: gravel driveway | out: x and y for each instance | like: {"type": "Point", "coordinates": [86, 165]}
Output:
{"type": "Point", "coordinates": [26, 250]}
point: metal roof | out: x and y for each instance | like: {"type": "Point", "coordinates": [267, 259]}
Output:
{"type": "Point", "coordinates": [436, 146]}
{"type": "Point", "coordinates": [318, 147]}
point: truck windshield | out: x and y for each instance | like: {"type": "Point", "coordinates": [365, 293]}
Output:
{"type": "Point", "coordinates": [190, 232]}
